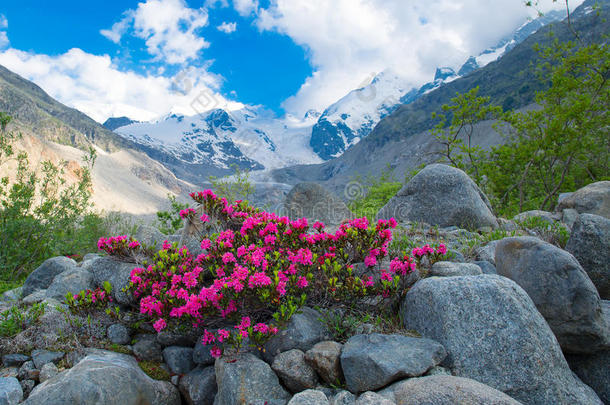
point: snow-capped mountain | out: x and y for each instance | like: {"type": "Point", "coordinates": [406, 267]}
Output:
{"type": "Point", "coordinates": [247, 138]}
{"type": "Point", "coordinates": [353, 117]}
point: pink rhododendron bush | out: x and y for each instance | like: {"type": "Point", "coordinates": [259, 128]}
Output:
{"type": "Point", "coordinates": [250, 278]}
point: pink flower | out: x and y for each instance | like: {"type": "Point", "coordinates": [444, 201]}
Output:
{"type": "Point", "coordinates": [261, 327]}
{"type": "Point", "coordinates": [228, 258]}
{"type": "Point", "coordinates": [206, 244]}
{"type": "Point", "coordinates": [302, 282]}
{"type": "Point", "coordinates": [259, 279]}
{"type": "Point", "coordinates": [370, 261]}
{"type": "Point", "coordinates": [215, 352]}
{"type": "Point", "coordinates": [204, 218]}
{"type": "Point", "coordinates": [134, 244]}
{"type": "Point", "coordinates": [208, 337]}
{"type": "Point", "coordinates": [159, 325]}
{"type": "Point", "coordinates": [222, 334]}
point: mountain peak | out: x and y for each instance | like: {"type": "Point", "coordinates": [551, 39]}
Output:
{"type": "Point", "coordinates": [113, 123]}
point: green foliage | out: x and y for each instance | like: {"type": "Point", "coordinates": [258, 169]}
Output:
{"type": "Point", "coordinates": [15, 319]}
{"type": "Point", "coordinates": [154, 370]}
{"type": "Point", "coordinates": [456, 137]}
{"type": "Point", "coordinates": [9, 285]}
{"type": "Point", "coordinates": [343, 325]}
{"type": "Point", "coordinates": [563, 145]}
{"type": "Point", "coordinates": [377, 191]}
{"type": "Point", "coordinates": [552, 232]}
{"type": "Point", "coordinates": [234, 188]}
{"type": "Point", "coordinates": [41, 215]}
{"type": "Point", "coordinates": [168, 222]}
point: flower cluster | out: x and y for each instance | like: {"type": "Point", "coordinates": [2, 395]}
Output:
{"type": "Point", "coordinates": [432, 253]}
{"type": "Point", "coordinates": [256, 273]}
{"type": "Point", "coordinates": [89, 299]}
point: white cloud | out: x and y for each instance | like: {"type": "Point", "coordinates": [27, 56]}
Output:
{"type": "Point", "coordinates": [168, 27]}
{"type": "Point", "coordinates": [227, 28]}
{"type": "Point", "coordinates": [245, 7]}
{"type": "Point", "coordinates": [347, 40]}
{"type": "Point", "coordinates": [95, 86]}
{"type": "Point", "coordinates": [3, 22]}
{"type": "Point", "coordinates": [4, 42]}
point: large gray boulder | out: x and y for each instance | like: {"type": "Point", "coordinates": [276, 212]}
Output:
{"type": "Point", "coordinates": [304, 330]}
{"type": "Point", "coordinates": [314, 202]}
{"type": "Point", "coordinates": [246, 377]}
{"type": "Point", "coordinates": [445, 390]}
{"type": "Point", "coordinates": [560, 288]}
{"type": "Point", "coordinates": [590, 244]}
{"type": "Point", "coordinates": [591, 199]}
{"type": "Point", "coordinates": [372, 361]}
{"type": "Point", "coordinates": [494, 334]}
{"type": "Point", "coordinates": [42, 277]}
{"type": "Point", "coordinates": [441, 195]}
{"type": "Point", "coordinates": [116, 272]}
{"type": "Point", "coordinates": [70, 281]}
{"type": "Point", "coordinates": [450, 269]}
{"type": "Point", "coordinates": [104, 378]}
{"type": "Point", "coordinates": [593, 370]}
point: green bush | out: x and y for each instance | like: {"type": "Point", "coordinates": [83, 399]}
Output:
{"type": "Point", "coordinates": [377, 192]}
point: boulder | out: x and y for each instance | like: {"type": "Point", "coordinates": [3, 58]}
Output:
{"type": "Point", "coordinates": [118, 334]}
{"type": "Point", "coordinates": [47, 371]}
{"type": "Point", "coordinates": [27, 386]}
{"type": "Point", "coordinates": [591, 199]}
{"type": "Point", "coordinates": [593, 370]}
{"type": "Point", "coordinates": [201, 353]}
{"type": "Point", "coordinates": [560, 288]}
{"type": "Point", "coordinates": [42, 357]}
{"type": "Point", "coordinates": [28, 371]}
{"type": "Point", "coordinates": [445, 390]}
{"type": "Point", "coordinates": [372, 361]}
{"type": "Point", "coordinates": [11, 392]}
{"type": "Point", "coordinates": [325, 358]}
{"type": "Point", "coordinates": [147, 348]}
{"type": "Point", "coordinates": [450, 269]}
{"type": "Point", "coordinates": [441, 195]}
{"type": "Point", "coordinates": [304, 330]}
{"type": "Point", "coordinates": [150, 236]}
{"type": "Point", "coordinates": [246, 377]}
{"type": "Point", "coordinates": [494, 334]}
{"type": "Point", "coordinates": [295, 374]}
{"type": "Point", "coordinates": [72, 281]}
{"type": "Point", "coordinates": [104, 378]}
{"type": "Point", "coordinates": [198, 386]}
{"type": "Point", "coordinates": [14, 359]}
{"type": "Point", "coordinates": [569, 217]}
{"type": "Point", "coordinates": [488, 252]}
{"type": "Point", "coordinates": [42, 277]}
{"type": "Point", "coordinates": [486, 267]}
{"type": "Point", "coordinates": [117, 273]}
{"type": "Point", "coordinates": [343, 398]}
{"type": "Point", "coordinates": [179, 359]}
{"type": "Point", "coordinates": [372, 398]}
{"type": "Point", "coordinates": [314, 202]}
{"type": "Point", "coordinates": [309, 397]}
{"type": "Point", "coordinates": [590, 244]}
{"type": "Point", "coordinates": [543, 216]}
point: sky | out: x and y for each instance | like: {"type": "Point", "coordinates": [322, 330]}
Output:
{"type": "Point", "coordinates": [144, 59]}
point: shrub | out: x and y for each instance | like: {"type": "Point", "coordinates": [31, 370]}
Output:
{"type": "Point", "coordinates": [379, 191]}
{"type": "Point", "coordinates": [15, 319]}
{"type": "Point", "coordinates": [168, 222]}
{"type": "Point", "coordinates": [253, 276]}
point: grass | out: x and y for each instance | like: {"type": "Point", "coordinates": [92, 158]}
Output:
{"type": "Point", "coordinates": [7, 285]}
{"type": "Point", "coordinates": [154, 370]}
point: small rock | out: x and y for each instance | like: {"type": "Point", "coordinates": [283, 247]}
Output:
{"type": "Point", "coordinates": [304, 330]}
{"type": "Point", "coordinates": [343, 398]}
{"type": "Point", "coordinates": [42, 277]}
{"type": "Point", "coordinates": [118, 334]}
{"type": "Point", "coordinates": [27, 386]}
{"type": "Point", "coordinates": [449, 269]}
{"type": "Point", "coordinates": [173, 339]}
{"type": "Point", "coordinates": [488, 252]}
{"type": "Point", "coordinates": [16, 359]}
{"type": "Point", "coordinates": [201, 353]}
{"type": "Point", "coordinates": [48, 371]}
{"type": "Point", "coordinates": [35, 297]}
{"type": "Point", "coordinates": [179, 359]}
{"type": "Point", "coordinates": [10, 391]}
{"type": "Point", "coordinates": [309, 397]}
{"type": "Point", "coordinates": [199, 386]}
{"type": "Point", "coordinates": [325, 358]}
{"type": "Point", "coordinates": [147, 348]}
{"type": "Point", "coordinates": [372, 398]}
{"type": "Point", "coordinates": [150, 236]}
{"type": "Point", "coordinates": [42, 357]}
{"type": "Point", "coordinates": [247, 377]}
{"type": "Point", "coordinates": [372, 361]}
{"type": "Point", "coordinates": [486, 267]}
{"type": "Point", "coordinates": [545, 216]}
{"type": "Point", "coordinates": [292, 370]}
{"type": "Point", "coordinates": [28, 371]}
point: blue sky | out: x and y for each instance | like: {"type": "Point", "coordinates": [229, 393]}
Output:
{"type": "Point", "coordinates": [146, 58]}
